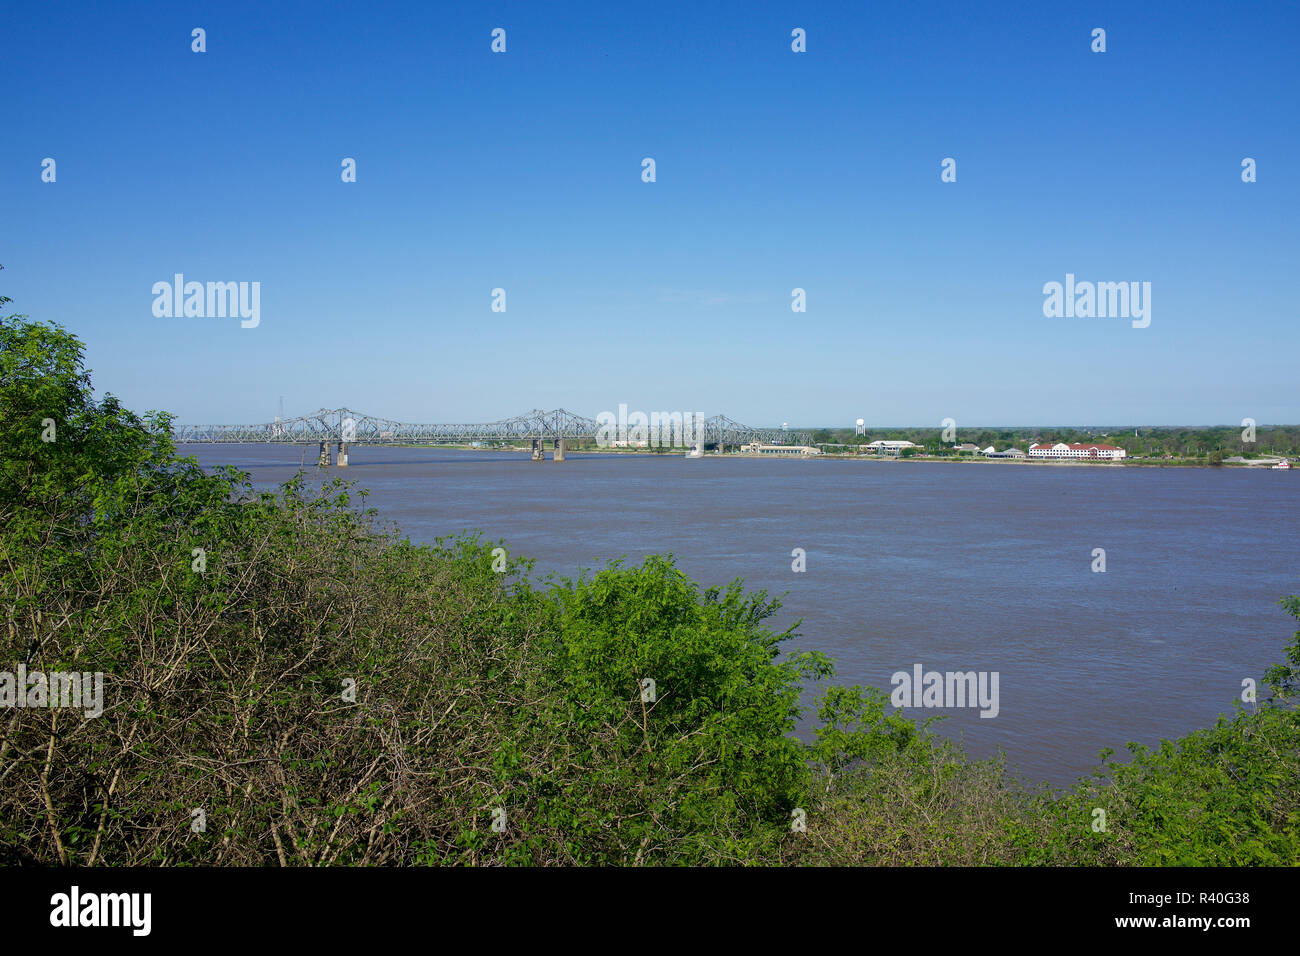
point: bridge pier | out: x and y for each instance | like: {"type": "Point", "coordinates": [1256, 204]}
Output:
{"type": "Point", "coordinates": [539, 451]}
{"type": "Point", "coordinates": [324, 459]}
{"type": "Point", "coordinates": [559, 450]}
{"type": "Point", "coordinates": [342, 459]}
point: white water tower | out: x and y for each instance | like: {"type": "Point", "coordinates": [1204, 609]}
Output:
{"type": "Point", "coordinates": [862, 426]}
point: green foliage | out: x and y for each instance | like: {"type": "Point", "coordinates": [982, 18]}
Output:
{"type": "Point", "coordinates": [706, 746]}
{"type": "Point", "coordinates": [1284, 678]}
{"type": "Point", "coordinates": [1224, 796]}
{"type": "Point", "coordinates": [856, 726]}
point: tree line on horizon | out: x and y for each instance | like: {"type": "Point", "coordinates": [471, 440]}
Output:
{"type": "Point", "coordinates": [1209, 442]}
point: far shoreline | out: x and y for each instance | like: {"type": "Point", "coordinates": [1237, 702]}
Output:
{"type": "Point", "coordinates": [879, 459]}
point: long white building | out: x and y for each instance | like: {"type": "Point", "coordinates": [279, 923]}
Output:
{"type": "Point", "coordinates": [787, 451]}
{"type": "Point", "coordinates": [883, 446]}
{"type": "Point", "coordinates": [1090, 452]}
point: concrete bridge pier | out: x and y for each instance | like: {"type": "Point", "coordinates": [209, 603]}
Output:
{"type": "Point", "coordinates": [559, 450]}
{"type": "Point", "coordinates": [324, 459]}
{"type": "Point", "coordinates": [539, 450]}
{"type": "Point", "coordinates": [342, 458]}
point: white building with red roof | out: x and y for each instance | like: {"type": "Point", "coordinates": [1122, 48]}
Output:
{"type": "Point", "coordinates": [1090, 452]}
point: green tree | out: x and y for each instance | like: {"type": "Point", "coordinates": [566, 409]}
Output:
{"type": "Point", "coordinates": [1284, 678]}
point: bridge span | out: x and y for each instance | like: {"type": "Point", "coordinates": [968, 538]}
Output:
{"type": "Point", "coordinates": [344, 427]}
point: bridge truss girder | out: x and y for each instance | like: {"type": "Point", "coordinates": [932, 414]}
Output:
{"type": "Point", "coordinates": [352, 427]}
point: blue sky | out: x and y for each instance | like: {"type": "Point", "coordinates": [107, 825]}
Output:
{"type": "Point", "coordinates": [775, 170]}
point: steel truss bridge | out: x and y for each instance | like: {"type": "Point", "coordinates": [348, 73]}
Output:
{"type": "Point", "coordinates": [346, 426]}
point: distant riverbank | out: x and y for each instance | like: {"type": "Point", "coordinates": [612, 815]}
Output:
{"type": "Point", "coordinates": [1126, 463]}
{"type": "Point", "coordinates": [1263, 465]}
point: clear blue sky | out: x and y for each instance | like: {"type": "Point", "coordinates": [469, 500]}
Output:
{"type": "Point", "coordinates": [775, 170]}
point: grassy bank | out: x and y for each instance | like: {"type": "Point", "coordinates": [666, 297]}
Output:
{"type": "Point", "coordinates": [288, 684]}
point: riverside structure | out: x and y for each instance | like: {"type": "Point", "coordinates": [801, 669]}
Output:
{"type": "Point", "coordinates": [344, 427]}
{"type": "Point", "coordinates": [1087, 452]}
